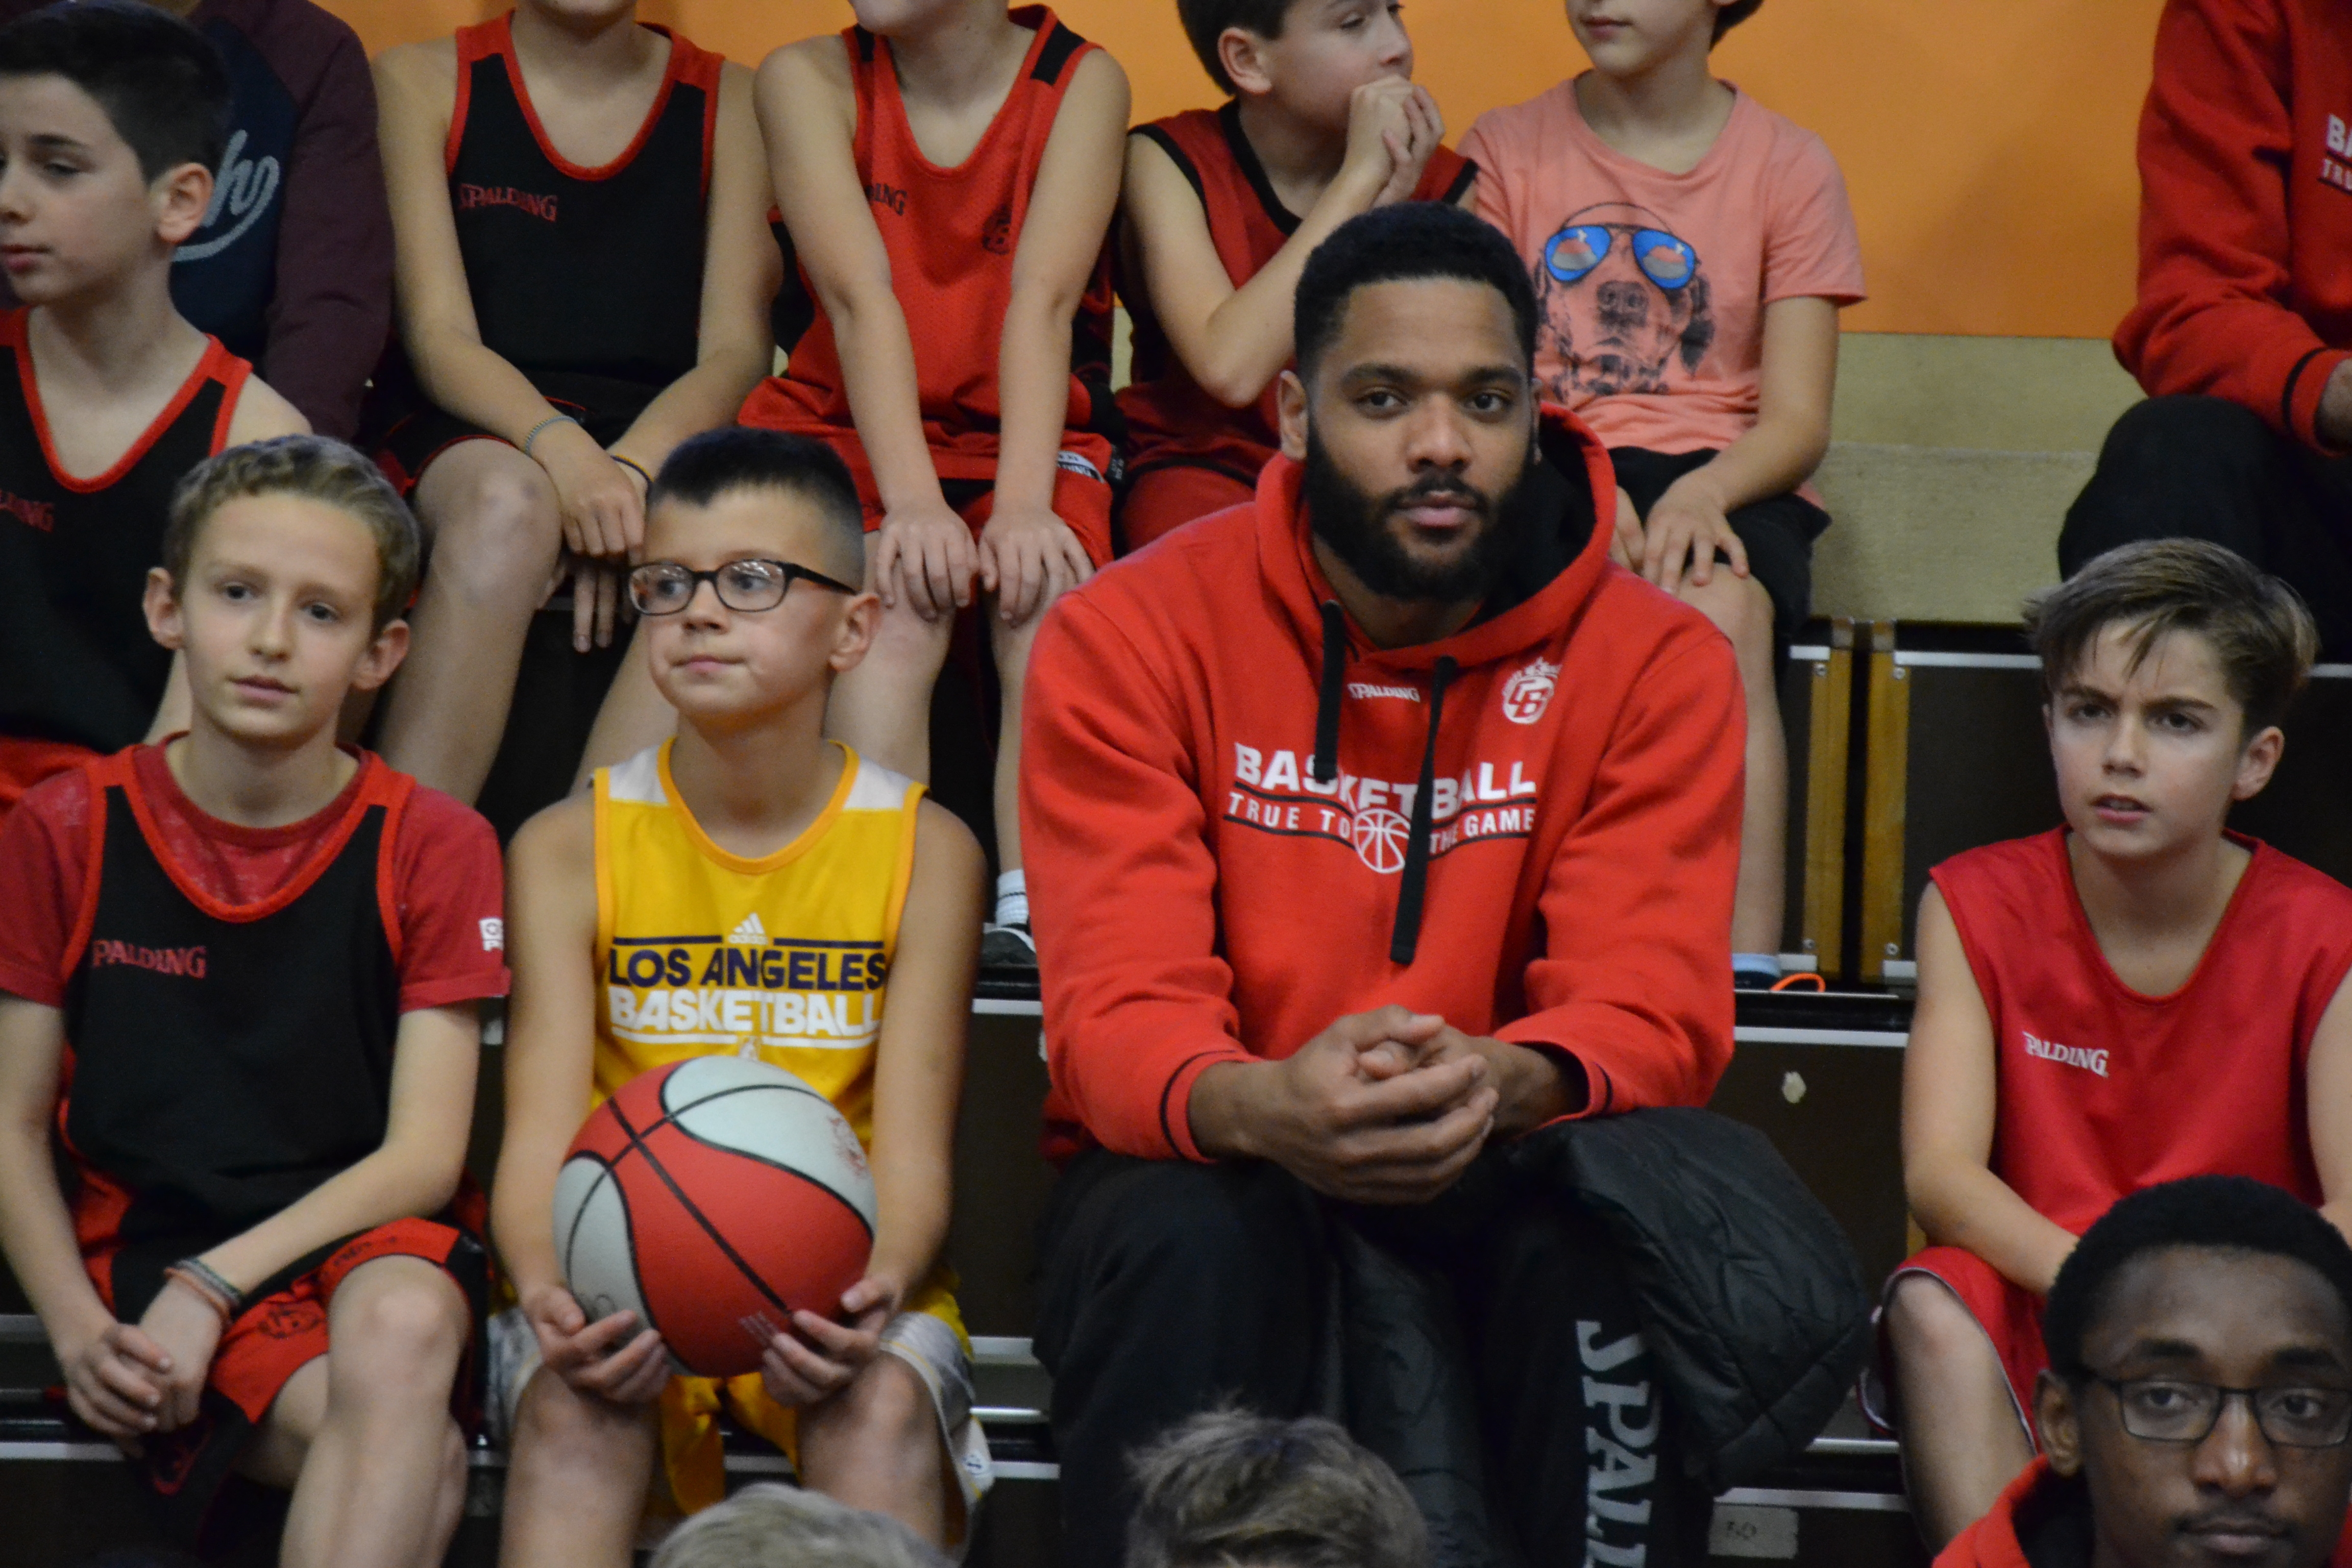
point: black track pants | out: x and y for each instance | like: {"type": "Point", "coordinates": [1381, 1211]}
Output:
{"type": "Point", "coordinates": [1486, 1345]}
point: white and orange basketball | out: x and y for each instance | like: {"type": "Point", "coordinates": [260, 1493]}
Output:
{"type": "Point", "coordinates": [709, 1192]}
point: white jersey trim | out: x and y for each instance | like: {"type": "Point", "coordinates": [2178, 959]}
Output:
{"type": "Point", "coordinates": [638, 780]}
{"type": "Point", "coordinates": [876, 788]}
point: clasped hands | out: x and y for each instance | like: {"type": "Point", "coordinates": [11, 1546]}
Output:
{"type": "Point", "coordinates": [1384, 1107]}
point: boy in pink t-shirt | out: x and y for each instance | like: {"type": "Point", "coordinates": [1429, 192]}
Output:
{"type": "Point", "coordinates": [1690, 250]}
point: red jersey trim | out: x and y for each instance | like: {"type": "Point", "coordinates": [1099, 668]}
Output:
{"type": "Point", "coordinates": [378, 785]}
{"type": "Point", "coordinates": [387, 902]}
{"type": "Point", "coordinates": [232, 392]}
{"type": "Point", "coordinates": [216, 365]}
{"type": "Point", "coordinates": [86, 915]}
{"type": "Point", "coordinates": [495, 38]}
{"type": "Point", "coordinates": [869, 53]}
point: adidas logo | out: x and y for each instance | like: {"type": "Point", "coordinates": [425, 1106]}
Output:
{"type": "Point", "coordinates": [751, 933]}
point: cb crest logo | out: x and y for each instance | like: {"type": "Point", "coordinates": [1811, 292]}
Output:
{"type": "Point", "coordinates": [1527, 692]}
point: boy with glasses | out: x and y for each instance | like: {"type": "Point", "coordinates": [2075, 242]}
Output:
{"type": "Point", "coordinates": [752, 829]}
{"type": "Point", "coordinates": [2199, 1395]}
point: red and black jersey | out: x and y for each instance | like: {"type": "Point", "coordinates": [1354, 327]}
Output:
{"type": "Point", "coordinates": [578, 272]}
{"type": "Point", "coordinates": [950, 233]}
{"type": "Point", "coordinates": [76, 662]}
{"type": "Point", "coordinates": [224, 1059]}
{"type": "Point", "coordinates": [1168, 419]}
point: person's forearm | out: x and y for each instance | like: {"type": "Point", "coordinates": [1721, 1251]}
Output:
{"type": "Point", "coordinates": [36, 1235]}
{"type": "Point", "coordinates": [910, 1218]}
{"type": "Point", "coordinates": [2333, 423]}
{"type": "Point", "coordinates": [465, 379]}
{"type": "Point", "coordinates": [394, 1183]}
{"type": "Point", "coordinates": [705, 398]}
{"type": "Point", "coordinates": [1246, 341]}
{"type": "Point", "coordinates": [522, 1215]}
{"type": "Point", "coordinates": [1960, 1204]}
{"type": "Point", "coordinates": [1533, 1087]}
{"type": "Point", "coordinates": [1034, 374]}
{"type": "Point", "coordinates": [1223, 1109]}
{"type": "Point", "coordinates": [1772, 459]}
{"type": "Point", "coordinates": [885, 392]}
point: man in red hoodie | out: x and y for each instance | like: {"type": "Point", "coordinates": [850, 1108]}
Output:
{"type": "Point", "coordinates": [2199, 1397]}
{"type": "Point", "coordinates": [2243, 335]}
{"type": "Point", "coordinates": [1375, 824]}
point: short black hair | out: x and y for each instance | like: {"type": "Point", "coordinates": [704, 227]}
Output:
{"type": "Point", "coordinates": [2226, 1214]}
{"type": "Point", "coordinates": [1729, 16]}
{"type": "Point", "coordinates": [703, 468]}
{"type": "Point", "coordinates": [1205, 22]}
{"type": "Point", "coordinates": [1401, 243]}
{"type": "Point", "coordinates": [160, 80]}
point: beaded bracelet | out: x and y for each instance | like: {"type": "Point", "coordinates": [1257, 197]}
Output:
{"type": "Point", "coordinates": [540, 428]}
{"type": "Point", "coordinates": [208, 1287]}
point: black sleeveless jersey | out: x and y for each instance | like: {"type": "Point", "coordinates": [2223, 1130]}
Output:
{"type": "Point", "coordinates": [76, 662]}
{"type": "Point", "coordinates": [226, 1060]}
{"type": "Point", "coordinates": [578, 272]}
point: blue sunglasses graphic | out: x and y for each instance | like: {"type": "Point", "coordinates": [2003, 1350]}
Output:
{"type": "Point", "coordinates": [1663, 258]}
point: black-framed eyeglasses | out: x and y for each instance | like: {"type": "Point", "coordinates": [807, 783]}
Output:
{"type": "Point", "coordinates": [665, 587]}
{"type": "Point", "coordinates": [2172, 1410]}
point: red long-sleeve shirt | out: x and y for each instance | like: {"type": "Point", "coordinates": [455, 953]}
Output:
{"type": "Point", "coordinates": [1199, 896]}
{"type": "Point", "coordinates": [2245, 222]}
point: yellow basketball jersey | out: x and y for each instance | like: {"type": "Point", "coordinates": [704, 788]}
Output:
{"type": "Point", "coordinates": [783, 959]}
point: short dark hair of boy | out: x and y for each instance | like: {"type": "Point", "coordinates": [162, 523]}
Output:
{"type": "Point", "coordinates": [314, 468]}
{"type": "Point", "coordinates": [1406, 242]}
{"type": "Point", "coordinates": [2259, 630]}
{"type": "Point", "coordinates": [1205, 22]}
{"type": "Point", "coordinates": [774, 1526]}
{"type": "Point", "coordinates": [2225, 1214]}
{"type": "Point", "coordinates": [702, 469]}
{"type": "Point", "coordinates": [1729, 16]}
{"type": "Point", "coordinates": [1233, 1487]}
{"type": "Point", "coordinates": [160, 80]}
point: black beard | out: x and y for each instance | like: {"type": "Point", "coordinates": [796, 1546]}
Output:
{"type": "Point", "coordinates": [1355, 524]}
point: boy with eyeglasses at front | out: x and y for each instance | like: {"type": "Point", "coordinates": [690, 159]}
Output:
{"type": "Point", "coordinates": [1690, 250]}
{"type": "Point", "coordinates": [2199, 1395]}
{"type": "Point", "coordinates": [751, 828]}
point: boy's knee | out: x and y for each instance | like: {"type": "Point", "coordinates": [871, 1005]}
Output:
{"type": "Point", "coordinates": [1926, 1322]}
{"type": "Point", "coordinates": [408, 1328]}
{"type": "Point", "coordinates": [1742, 609]}
{"type": "Point", "coordinates": [888, 1401]}
{"type": "Point", "coordinates": [504, 516]}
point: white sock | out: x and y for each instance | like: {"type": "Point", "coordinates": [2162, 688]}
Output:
{"type": "Point", "coordinates": [1012, 900]}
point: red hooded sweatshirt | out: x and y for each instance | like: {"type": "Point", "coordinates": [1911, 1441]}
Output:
{"type": "Point", "coordinates": [1571, 762]}
{"type": "Point", "coordinates": [2044, 1521]}
{"type": "Point", "coordinates": [2245, 219]}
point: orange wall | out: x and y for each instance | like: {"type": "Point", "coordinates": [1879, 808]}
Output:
{"type": "Point", "coordinates": [1987, 145]}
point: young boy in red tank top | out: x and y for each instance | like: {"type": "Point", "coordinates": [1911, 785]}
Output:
{"type": "Point", "coordinates": [238, 975]}
{"type": "Point", "coordinates": [1222, 209]}
{"type": "Point", "coordinates": [584, 279]}
{"type": "Point", "coordinates": [112, 120]}
{"type": "Point", "coordinates": [947, 170]}
{"type": "Point", "coordinates": [2135, 997]}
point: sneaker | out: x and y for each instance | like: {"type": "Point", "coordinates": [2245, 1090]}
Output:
{"type": "Point", "coordinates": [1007, 947]}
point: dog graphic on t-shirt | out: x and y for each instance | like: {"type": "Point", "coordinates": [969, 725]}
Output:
{"type": "Point", "coordinates": [1622, 301]}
